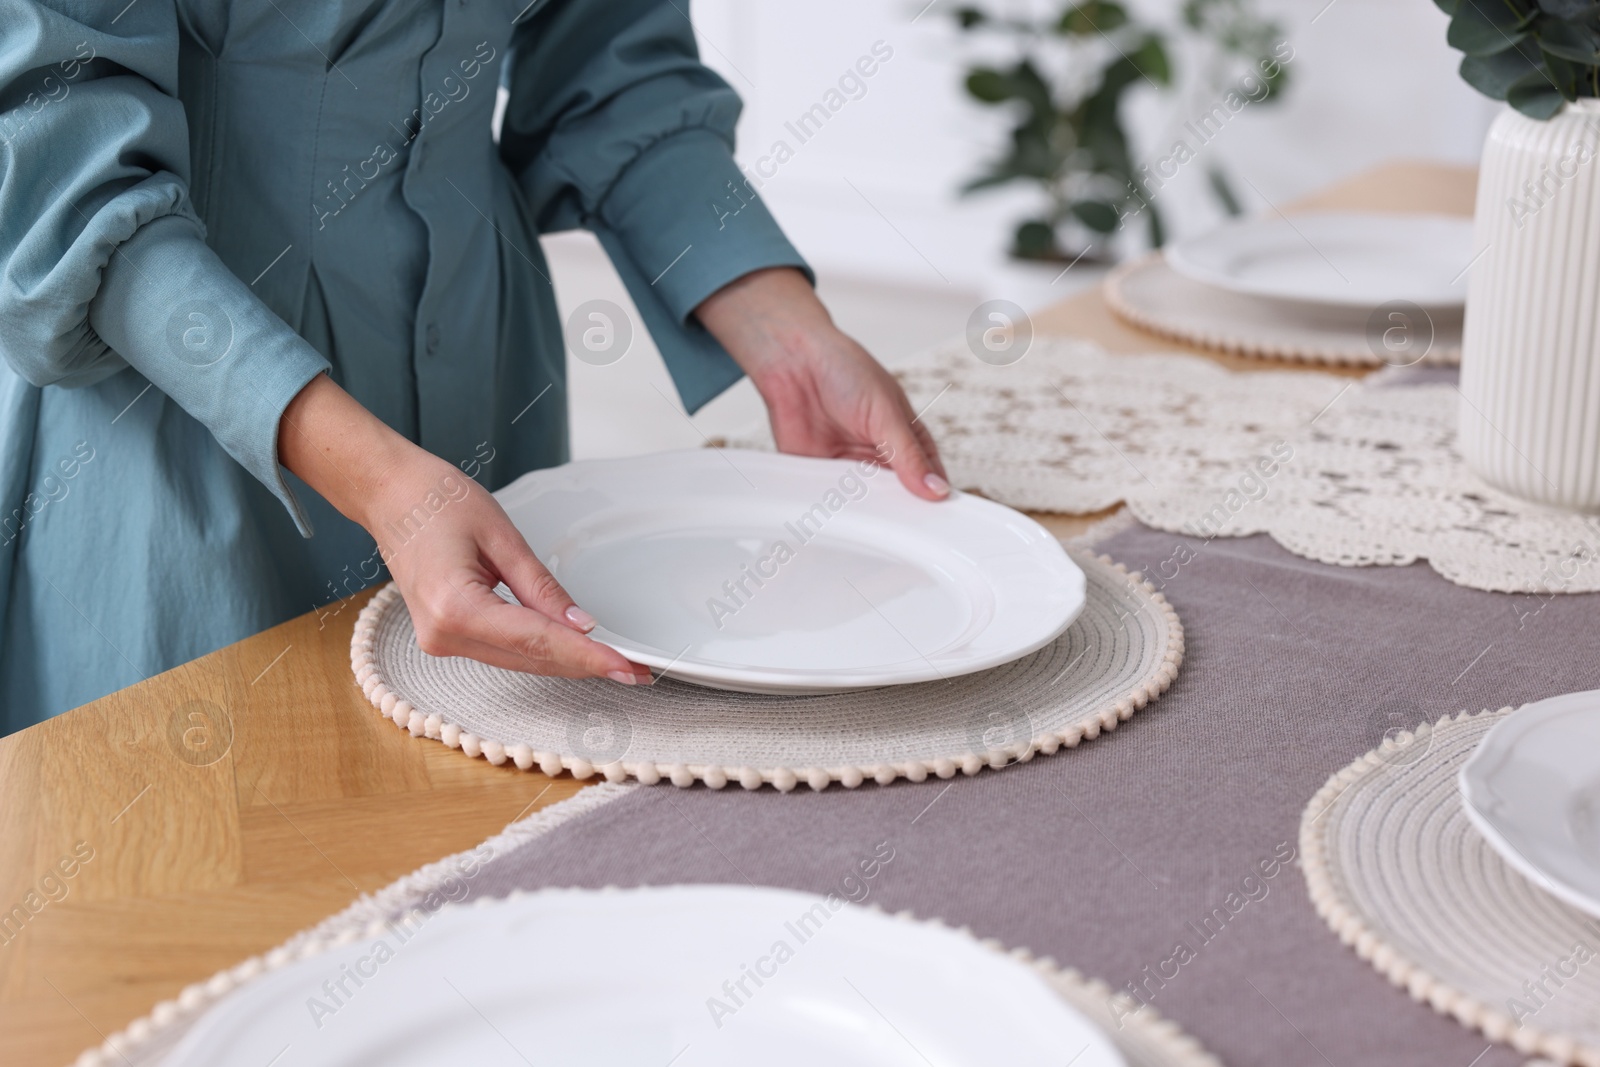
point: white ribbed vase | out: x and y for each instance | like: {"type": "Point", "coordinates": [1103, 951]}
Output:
{"type": "Point", "coordinates": [1530, 353]}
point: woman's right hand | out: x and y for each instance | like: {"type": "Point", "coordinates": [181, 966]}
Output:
{"type": "Point", "coordinates": [447, 542]}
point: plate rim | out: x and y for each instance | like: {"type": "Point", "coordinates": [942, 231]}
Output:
{"type": "Point", "coordinates": [1184, 264]}
{"type": "Point", "coordinates": [1473, 785]}
{"type": "Point", "coordinates": [794, 681]}
{"type": "Point", "coordinates": [712, 897]}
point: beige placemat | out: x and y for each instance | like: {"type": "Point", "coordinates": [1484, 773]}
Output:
{"type": "Point", "coordinates": [1152, 296]}
{"type": "Point", "coordinates": [1122, 652]}
{"type": "Point", "coordinates": [1143, 1037]}
{"type": "Point", "coordinates": [1401, 875]}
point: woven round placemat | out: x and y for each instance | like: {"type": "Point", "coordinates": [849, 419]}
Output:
{"type": "Point", "coordinates": [1121, 653]}
{"type": "Point", "coordinates": [1152, 296]}
{"type": "Point", "coordinates": [1401, 875]}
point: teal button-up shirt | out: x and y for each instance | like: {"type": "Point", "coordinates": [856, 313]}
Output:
{"type": "Point", "coordinates": [205, 203]}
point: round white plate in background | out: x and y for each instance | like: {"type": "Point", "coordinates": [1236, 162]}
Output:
{"type": "Point", "coordinates": [1347, 259]}
{"type": "Point", "coordinates": [692, 976]}
{"type": "Point", "coordinates": [768, 573]}
{"type": "Point", "coordinates": [1532, 788]}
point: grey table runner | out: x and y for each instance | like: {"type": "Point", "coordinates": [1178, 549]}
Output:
{"type": "Point", "coordinates": [1152, 859]}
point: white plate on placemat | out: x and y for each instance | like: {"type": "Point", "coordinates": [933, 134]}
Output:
{"type": "Point", "coordinates": [691, 976]}
{"type": "Point", "coordinates": [767, 573]}
{"type": "Point", "coordinates": [1337, 258]}
{"type": "Point", "coordinates": [1532, 788]}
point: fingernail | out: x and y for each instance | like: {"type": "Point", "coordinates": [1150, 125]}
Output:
{"type": "Point", "coordinates": [580, 618]}
{"type": "Point", "coordinates": [625, 677]}
{"type": "Point", "coordinates": [936, 483]}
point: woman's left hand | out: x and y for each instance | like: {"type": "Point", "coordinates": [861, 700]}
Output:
{"type": "Point", "coordinates": [825, 394]}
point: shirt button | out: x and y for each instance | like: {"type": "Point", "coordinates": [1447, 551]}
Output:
{"type": "Point", "coordinates": [433, 340]}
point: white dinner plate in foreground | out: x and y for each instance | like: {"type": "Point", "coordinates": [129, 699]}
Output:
{"type": "Point", "coordinates": [693, 976]}
{"type": "Point", "coordinates": [776, 574]}
{"type": "Point", "coordinates": [1345, 259]}
{"type": "Point", "coordinates": [1532, 788]}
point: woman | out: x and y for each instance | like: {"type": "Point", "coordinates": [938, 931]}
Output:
{"type": "Point", "coordinates": [267, 273]}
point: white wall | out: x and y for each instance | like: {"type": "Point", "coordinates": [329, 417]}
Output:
{"type": "Point", "coordinates": [1372, 80]}
{"type": "Point", "coordinates": [871, 201]}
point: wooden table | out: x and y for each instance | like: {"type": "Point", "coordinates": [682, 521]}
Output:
{"type": "Point", "coordinates": [237, 799]}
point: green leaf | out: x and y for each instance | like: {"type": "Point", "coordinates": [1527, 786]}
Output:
{"type": "Point", "coordinates": [1564, 76]}
{"type": "Point", "coordinates": [1107, 143]}
{"type": "Point", "coordinates": [1148, 61]}
{"type": "Point", "coordinates": [1093, 16]}
{"type": "Point", "coordinates": [1535, 96]}
{"type": "Point", "coordinates": [1568, 40]}
{"type": "Point", "coordinates": [1448, 6]}
{"type": "Point", "coordinates": [1571, 10]}
{"type": "Point", "coordinates": [1151, 60]}
{"type": "Point", "coordinates": [989, 85]}
{"type": "Point", "coordinates": [1032, 88]}
{"type": "Point", "coordinates": [998, 174]}
{"type": "Point", "coordinates": [1034, 240]}
{"type": "Point", "coordinates": [1022, 82]}
{"type": "Point", "coordinates": [968, 17]}
{"type": "Point", "coordinates": [1223, 191]}
{"type": "Point", "coordinates": [1276, 83]}
{"type": "Point", "coordinates": [1493, 76]}
{"type": "Point", "coordinates": [1032, 153]}
{"type": "Point", "coordinates": [1098, 215]}
{"type": "Point", "coordinates": [1485, 27]}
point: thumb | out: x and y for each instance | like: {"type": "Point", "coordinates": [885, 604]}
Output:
{"type": "Point", "coordinates": [914, 461]}
{"type": "Point", "coordinates": [535, 587]}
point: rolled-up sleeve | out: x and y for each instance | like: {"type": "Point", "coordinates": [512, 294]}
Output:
{"type": "Point", "coordinates": [613, 124]}
{"type": "Point", "coordinates": [103, 261]}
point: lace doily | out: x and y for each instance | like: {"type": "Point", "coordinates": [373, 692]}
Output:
{"type": "Point", "coordinates": [1122, 652]}
{"type": "Point", "coordinates": [1396, 869]}
{"type": "Point", "coordinates": [1333, 469]}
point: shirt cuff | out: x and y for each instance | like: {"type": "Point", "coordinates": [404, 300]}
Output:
{"type": "Point", "coordinates": [175, 312]}
{"type": "Point", "coordinates": [691, 222]}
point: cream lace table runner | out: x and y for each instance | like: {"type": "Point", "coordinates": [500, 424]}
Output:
{"type": "Point", "coordinates": [1333, 469]}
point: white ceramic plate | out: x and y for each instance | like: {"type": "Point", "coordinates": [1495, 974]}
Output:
{"type": "Point", "coordinates": [647, 978]}
{"type": "Point", "coordinates": [1532, 788]}
{"type": "Point", "coordinates": [1344, 259]}
{"type": "Point", "coordinates": [769, 573]}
